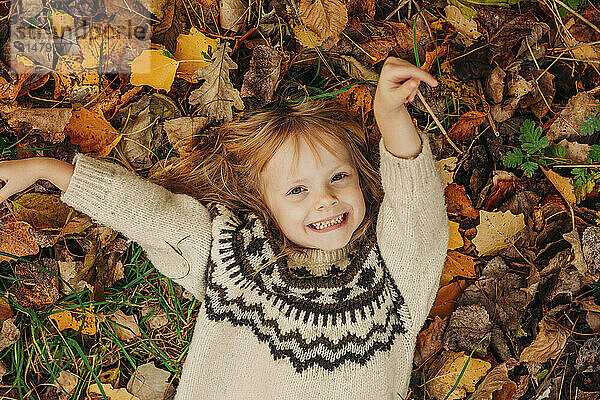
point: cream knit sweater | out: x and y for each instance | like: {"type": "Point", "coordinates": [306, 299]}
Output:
{"type": "Point", "coordinates": [338, 324]}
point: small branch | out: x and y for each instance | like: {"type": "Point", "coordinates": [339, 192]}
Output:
{"type": "Point", "coordinates": [437, 122]}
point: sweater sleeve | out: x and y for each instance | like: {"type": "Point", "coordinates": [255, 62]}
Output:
{"type": "Point", "coordinates": [173, 229]}
{"type": "Point", "coordinates": [412, 227]}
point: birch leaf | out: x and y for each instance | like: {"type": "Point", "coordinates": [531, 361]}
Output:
{"type": "Point", "coordinates": [327, 18]}
{"type": "Point", "coordinates": [154, 68]}
{"type": "Point", "coordinates": [193, 51]}
{"type": "Point", "coordinates": [216, 95]}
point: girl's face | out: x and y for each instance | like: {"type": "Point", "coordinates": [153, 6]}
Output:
{"type": "Point", "coordinates": [317, 203]}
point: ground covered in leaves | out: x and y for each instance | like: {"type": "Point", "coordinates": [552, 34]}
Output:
{"type": "Point", "coordinates": [514, 127]}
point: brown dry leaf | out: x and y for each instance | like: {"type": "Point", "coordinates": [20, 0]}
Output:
{"type": "Point", "coordinates": [358, 99]}
{"type": "Point", "coordinates": [581, 50]}
{"type": "Point", "coordinates": [90, 131]}
{"type": "Point", "coordinates": [15, 238]}
{"type": "Point", "coordinates": [458, 203]}
{"type": "Point", "coordinates": [84, 322]}
{"type": "Point", "coordinates": [49, 121]}
{"type": "Point", "coordinates": [356, 70]}
{"type": "Point", "coordinates": [576, 152]}
{"type": "Point", "coordinates": [503, 28]}
{"type": "Point", "coordinates": [149, 382]}
{"type": "Point", "coordinates": [593, 320]}
{"type": "Point", "coordinates": [261, 79]}
{"type": "Point", "coordinates": [497, 231]}
{"type": "Point", "coordinates": [562, 184]}
{"type": "Point", "coordinates": [194, 50]}
{"type": "Point", "coordinates": [183, 132]}
{"type": "Point", "coordinates": [327, 18]}
{"type": "Point", "coordinates": [154, 68]}
{"type": "Point", "coordinates": [445, 299]}
{"type": "Point", "coordinates": [569, 121]}
{"type": "Point", "coordinates": [496, 380]}
{"type": "Point", "coordinates": [126, 325]}
{"type": "Point", "coordinates": [94, 393]}
{"type": "Point", "coordinates": [548, 343]}
{"type": "Point", "coordinates": [446, 168]}
{"type": "Point", "coordinates": [231, 14]}
{"type": "Point", "coordinates": [429, 341]}
{"type": "Point", "coordinates": [216, 95]}
{"type": "Point", "coordinates": [41, 211]}
{"type": "Point", "coordinates": [65, 384]}
{"type": "Point", "coordinates": [154, 317]}
{"type": "Point", "coordinates": [35, 288]}
{"type": "Point", "coordinates": [464, 128]}
{"type": "Point", "coordinates": [361, 8]}
{"type": "Point", "coordinates": [467, 29]}
{"type": "Point", "coordinates": [494, 85]}
{"type": "Point", "coordinates": [457, 264]}
{"type": "Point", "coordinates": [444, 372]}
{"type": "Point", "coordinates": [9, 334]}
{"type": "Point", "coordinates": [466, 91]}
{"type": "Point", "coordinates": [71, 273]}
{"type": "Point", "coordinates": [61, 22]}
{"type": "Point", "coordinates": [22, 69]}
{"type": "Point", "coordinates": [456, 239]}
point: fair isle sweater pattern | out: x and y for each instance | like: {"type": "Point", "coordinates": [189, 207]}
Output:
{"type": "Point", "coordinates": [313, 321]}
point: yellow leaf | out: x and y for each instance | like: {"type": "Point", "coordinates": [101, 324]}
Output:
{"type": "Point", "coordinates": [327, 18]}
{"type": "Point", "coordinates": [447, 370]}
{"type": "Point", "coordinates": [112, 394]}
{"type": "Point", "coordinates": [69, 74]}
{"type": "Point", "coordinates": [41, 211]}
{"type": "Point", "coordinates": [457, 264]}
{"type": "Point", "coordinates": [496, 231]}
{"type": "Point", "coordinates": [102, 48]}
{"type": "Point", "coordinates": [61, 22]}
{"type": "Point", "coordinates": [562, 184]}
{"type": "Point", "coordinates": [77, 320]}
{"type": "Point", "coordinates": [456, 239]}
{"type": "Point", "coordinates": [194, 51]}
{"type": "Point", "coordinates": [154, 68]}
{"type": "Point", "coordinates": [305, 36]}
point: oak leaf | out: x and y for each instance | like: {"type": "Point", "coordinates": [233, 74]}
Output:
{"type": "Point", "coordinates": [216, 95]}
{"type": "Point", "coordinates": [497, 231]}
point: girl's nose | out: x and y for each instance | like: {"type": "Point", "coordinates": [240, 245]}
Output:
{"type": "Point", "coordinates": [326, 200]}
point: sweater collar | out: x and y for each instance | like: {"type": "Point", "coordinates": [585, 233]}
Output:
{"type": "Point", "coordinates": [319, 261]}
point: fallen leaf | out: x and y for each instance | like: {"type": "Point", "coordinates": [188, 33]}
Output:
{"type": "Point", "coordinates": [496, 380]}
{"type": "Point", "coordinates": [494, 84]}
{"type": "Point", "coordinates": [10, 334]}
{"type": "Point", "coordinates": [155, 68]}
{"type": "Point", "coordinates": [591, 248]}
{"type": "Point", "coordinates": [443, 374]}
{"type": "Point", "coordinates": [327, 18]}
{"type": "Point", "coordinates": [138, 135]}
{"type": "Point", "coordinates": [569, 121]}
{"type": "Point", "coordinates": [468, 330]}
{"type": "Point", "coordinates": [102, 47]}
{"type": "Point", "coordinates": [41, 211]}
{"type": "Point", "coordinates": [576, 152]}
{"type": "Point", "coordinates": [446, 168]}
{"type": "Point", "coordinates": [66, 383]}
{"type": "Point", "coordinates": [458, 203]}
{"type": "Point", "coordinates": [497, 231]}
{"type": "Point", "coordinates": [261, 79]}
{"type": "Point", "coordinates": [562, 184]}
{"type": "Point", "coordinates": [126, 326]}
{"type": "Point", "coordinates": [445, 299]}
{"type": "Point", "coordinates": [183, 132]}
{"type": "Point", "coordinates": [50, 121]}
{"type": "Point", "coordinates": [149, 382]}
{"type": "Point", "coordinates": [548, 343]}
{"type": "Point", "coordinates": [91, 131]}
{"type": "Point", "coordinates": [216, 95]}
{"type": "Point", "coordinates": [71, 274]}
{"type": "Point", "coordinates": [231, 15]}
{"type": "Point", "coordinates": [305, 36]}
{"type": "Point", "coordinates": [5, 311]}
{"type": "Point", "coordinates": [357, 99]}
{"type": "Point", "coordinates": [94, 393]}
{"type": "Point", "coordinates": [15, 238]}
{"type": "Point", "coordinates": [457, 265]}
{"type": "Point", "coordinates": [70, 74]}
{"type": "Point", "coordinates": [466, 28]}
{"type": "Point", "coordinates": [35, 288]}
{"type": "Point", "coordinates": [429, 341]}
{"type": "Point", "coordinates": [154, 317]}
{"type": "Point", "coordinates": [61, 22]}
{"type": "Point", "coordinates": [456, 239]}
{"type": "Point", "coordinates": [193, 51]}
{"type": "Point", "coordinates": [578, 257]}
{"type": "Point", "coordinates": [83, 322]}
{"type": "Point", "coordinates": [356, 70]}
{"type": "Point", "coordinates": [22, 68]}
{"type": "Point", "coordinates": [464, 128]}
{"type": "Point", "coordinates": [588, 356]}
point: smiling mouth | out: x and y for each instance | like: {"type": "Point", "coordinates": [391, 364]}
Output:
{"type": "Point", "coordinates": [330, 224]}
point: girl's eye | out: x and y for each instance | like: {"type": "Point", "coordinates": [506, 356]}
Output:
{"type": "Point", "coordinates": [339, 176]}
{"type": "Point", "coordinates": [296, 190]}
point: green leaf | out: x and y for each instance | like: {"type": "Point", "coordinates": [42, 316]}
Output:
{"type": "Point", "coordinates": [562, 151]}
{"type": "Point", "coordinates": [529, 167]}
{"type": "Point", "coordinates": [513, 158]}
{"type": "Point", "coordinates": [594, 154]}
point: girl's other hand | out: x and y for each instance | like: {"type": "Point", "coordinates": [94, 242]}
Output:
{"type": "Point", "coordinates": [18, 175]}
{"type": "Point", "coordinates": [398, 84]}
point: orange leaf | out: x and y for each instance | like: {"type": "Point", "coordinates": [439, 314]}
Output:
{"type": "Point", "coordinates": [91, 132]}
{"type": "Point", "coordinates": [464, 128]}
{"type": "Point", "coordinates": [458, 203]}
{"type": "Point", "coordinates": [446, 299]}
{"type": "Point", "coordinates": [15, 238]}
{"type": "Point", "coordinates": [457, 264]}
{"type": "Point", "coordinates": [356, 99]}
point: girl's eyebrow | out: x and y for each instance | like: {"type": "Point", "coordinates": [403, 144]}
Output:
{"type": "Point", "coordinates": [339, 166]}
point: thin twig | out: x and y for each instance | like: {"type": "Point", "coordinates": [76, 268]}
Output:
{"type": "Point", "coordinates": [402, 4]}
{"type": "Point", "coordinates": [437, 121]}
{"type": "Point", "coordinates": [575, 13]}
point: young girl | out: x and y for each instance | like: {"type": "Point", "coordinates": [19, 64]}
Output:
{"type": "Point", "coordinates": [309, 290]}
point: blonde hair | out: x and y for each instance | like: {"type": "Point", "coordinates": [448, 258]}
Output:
{"type": "Point", "coordinates": [228, 170]}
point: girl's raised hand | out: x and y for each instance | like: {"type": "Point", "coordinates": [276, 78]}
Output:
{"type": "Point", "coordinates": [398, 84]}
{"type": "Point", "coordinates": [18, 175]}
